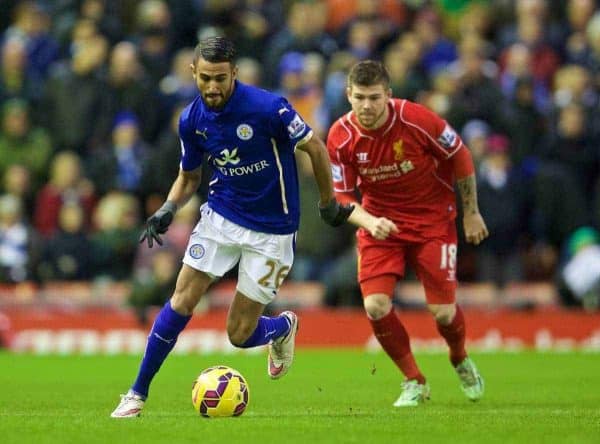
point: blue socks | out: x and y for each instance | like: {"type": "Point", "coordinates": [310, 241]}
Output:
{"type": "Point", "coordinates": [161, 340]}
{"type": "Point", "coordinates": [267, 329]}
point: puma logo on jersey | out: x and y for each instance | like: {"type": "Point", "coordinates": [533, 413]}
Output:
{"type": "Point", "coordinates": [202, 133]}
{"type": "Point", "coordinates": [228, 157]}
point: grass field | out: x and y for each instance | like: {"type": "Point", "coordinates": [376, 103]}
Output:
{"type": "Point", "coordinates": [328, 397]}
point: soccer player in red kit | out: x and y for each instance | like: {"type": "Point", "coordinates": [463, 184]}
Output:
{"type": "Point", "coordinates": [405, 160]}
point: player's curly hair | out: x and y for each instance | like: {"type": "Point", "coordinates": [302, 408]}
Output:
{"type": "Point", "coordinates": [368, 73]}
{"type": "Point", "coordinates": [215, 50]}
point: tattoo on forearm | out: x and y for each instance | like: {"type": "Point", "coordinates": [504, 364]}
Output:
{"type": "Point", "coordinates": [468, 193]}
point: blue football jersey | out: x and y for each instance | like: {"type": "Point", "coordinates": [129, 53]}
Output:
{"type": "Point", "coordinates": [250, 145]}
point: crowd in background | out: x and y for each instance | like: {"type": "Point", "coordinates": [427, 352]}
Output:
{"type": "Point", "coordinates": [91, 91]}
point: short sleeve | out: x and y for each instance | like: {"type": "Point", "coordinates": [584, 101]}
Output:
{"type": "Point", "coordinates": [191, 151]}
{"type": "Point", "coordinates": [288, 124]}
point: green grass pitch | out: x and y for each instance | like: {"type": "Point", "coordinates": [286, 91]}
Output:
{"type": "Point", "coordinates": [328, 397]}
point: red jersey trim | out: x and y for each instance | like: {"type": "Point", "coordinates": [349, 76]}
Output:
{"type": "Point", "coordinates": [435, 143]}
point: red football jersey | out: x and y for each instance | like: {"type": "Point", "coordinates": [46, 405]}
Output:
{"type": "Point", "coordinates": [401, 169]}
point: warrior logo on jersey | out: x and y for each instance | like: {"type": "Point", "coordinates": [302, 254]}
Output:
{"type": "Point", "coordinates": [398, 150]}
{"type": "Point", "coordinates": [362, 157]}
{"type": "Point", "coordinates": [245, 132]}
{"type": "Point", "coordinates": [197, 251]}
{"type": "Point", "coordinates": [296, 126]}
{"type": "Point", "coordinates": [448, 138]}
{"type": "Point", "coordinates": [228, 157]}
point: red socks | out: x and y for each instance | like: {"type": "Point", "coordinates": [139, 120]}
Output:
{"type": "Point", "coordinates": [392, 336]}
{"type": "Point", "coordinates": [454, 334]}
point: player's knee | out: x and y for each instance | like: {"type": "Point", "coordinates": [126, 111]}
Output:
{"type": "Point", "coordinates": [377, 305]}
{"type": "Point", "coordinates": [443, 313]}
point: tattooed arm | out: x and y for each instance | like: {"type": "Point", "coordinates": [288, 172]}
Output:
{"type": "Point", "coordinates": [473, 224]}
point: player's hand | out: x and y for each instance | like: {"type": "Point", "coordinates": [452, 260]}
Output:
{"type": "Point", "coordinates": [334, 213]}
{"type": "Point", "coordinates": [382, 227]}
{"type": "Point", "coordinates": [475, 229]}
{"type": "Point", "coordinates": [158, 224]}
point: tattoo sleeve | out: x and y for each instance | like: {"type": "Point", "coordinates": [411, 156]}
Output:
{"type": "Point", "coordinates": [467, 188]}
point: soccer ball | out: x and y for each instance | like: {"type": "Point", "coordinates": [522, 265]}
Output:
{"type": "Point", "coordinates": [220, 391]}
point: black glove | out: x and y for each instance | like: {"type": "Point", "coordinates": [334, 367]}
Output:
{"type": "Point", "coordinates": [158, 224]}
{"type": "Point", "coordinates": [335, 214]}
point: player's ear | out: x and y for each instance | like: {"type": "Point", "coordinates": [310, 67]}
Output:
{"type": "Point", "coordinates": [348, 92]}
{"type": "Point", "coordinates": [234, 72]}
{"type": "Point", "coordinates": [193, 68]}
{"type": "Point", "coordinates": [389, 93]}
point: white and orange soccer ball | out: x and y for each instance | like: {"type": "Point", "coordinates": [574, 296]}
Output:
{"type": "Point", "coordinates": [220, 391]}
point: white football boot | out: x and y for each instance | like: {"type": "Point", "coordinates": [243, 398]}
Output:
{"type": "Point", "coordinates": [131, 406]}
{"type": "Point", "coordinates": [281, 350]}
{"type": "Point", "coordinates": [471, 381]}
{"type": "Point", "coordinates": [412, 394]}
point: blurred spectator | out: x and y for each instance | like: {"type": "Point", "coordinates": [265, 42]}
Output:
{"type": "Point", "coordinates": [19, 249]}
{"type": "Point", "coordinates": [250, 71]}
{"type": "Point", "coordinates": [17, 182]}
{"type": "Point", "coordinates": [153, 38]}
{"type": "Point", "coordinates": [518, 68]}
{"type": "Point", "coordinates": [69, 116]}
{"type": "Point", "coordinates": [571, 146]}
{"type": "Point", "coordinates": [178, 86]}
{"type": "Point", "coordinates": [527, 126]}
{"type": "Point", "coordinates": [553, 216]}
{"type": "Point", "coordinates": [163, 160]}
{"type": "Point", "coordinates": [475, 135]}
{"type": "Point", "coordinates": [334, 94]}
{"type": "Point", "coordinates": [255, 23]}
{"type": "Point", "coordinates": [304, 32]}
{"type": "Point", "coordinates": [305, 97]}
{"type": "Point", "coordinates": [127, 87]}
{"type": "Point", "coordinates": [15, 81]}
{"type": "Point", "coordinates": [123, 163]}
{"type": "Point", "coordinates": [405, 79]}
{"type": "Point", "coordinates": [21, 143]}
{"type": "Point", "coordinates": [116, 219]}
{"type": "Point", "coordinates": [32, 23]}
{"type": "Point", "coordinates": [68, 255]}
{"type": "Point", "coordinates": [66, 185]}
{"type": "Point", "coordinates": [389, 14]}
{"type": "Point", "coordinates": [578, 15]}
{"type": "Point", "coordinates": [103, 13]}
{"type": "Point", "coordinates": [502, 202]}
{"type": "Point", "coordinates": [438, 51]}
{"type": "Point", "coordinates": [545, 59]}
{"type": "Point", "coordinates": [478, 95]}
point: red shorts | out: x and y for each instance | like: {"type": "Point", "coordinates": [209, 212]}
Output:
{"type": "Point", "coordinates": [382, 262]}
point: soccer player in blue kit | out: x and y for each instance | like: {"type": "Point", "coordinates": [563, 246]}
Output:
{"type": "Point", "coordinates": [251, 216]}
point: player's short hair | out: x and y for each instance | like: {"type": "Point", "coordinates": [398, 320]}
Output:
{"type": "Point", "coordinates": [368, 73]}
{"type": "Point", "coordinates": [215, 50]}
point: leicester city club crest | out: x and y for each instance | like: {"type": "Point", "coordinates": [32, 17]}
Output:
{"type": "Point", "coordinates": [197, 251]}
{"type": "Point", "coordinates": [245, 131]}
